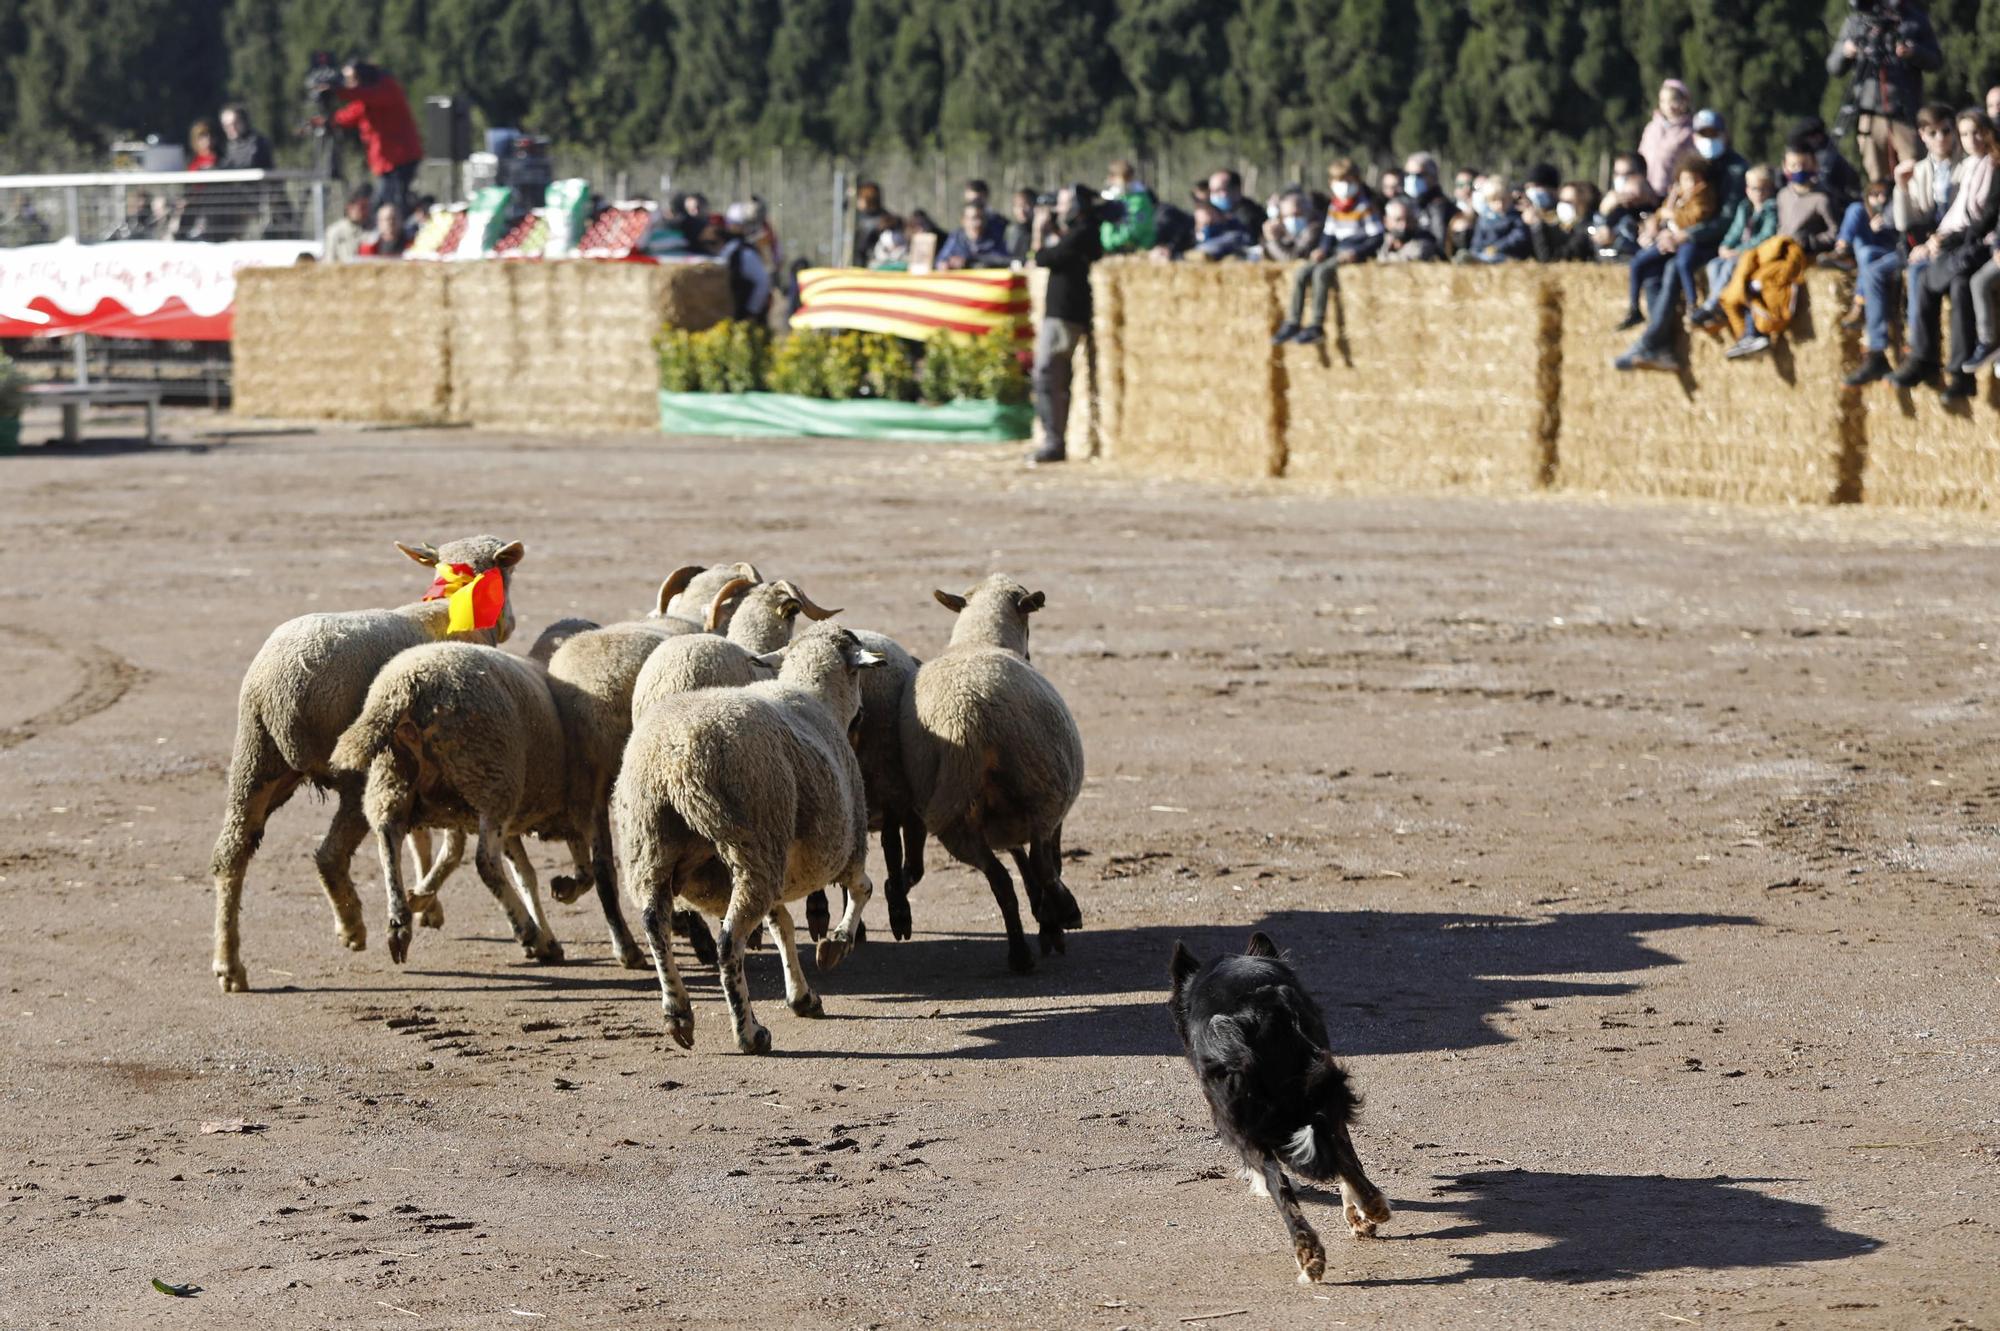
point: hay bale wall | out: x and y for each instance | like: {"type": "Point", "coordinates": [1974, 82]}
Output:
{"type": "Point", "coordinates": [558, 346]}
{"type": "Point", "coordinates": [1192, 345]}
{"type": "Point", "coordinates": [354, 342]}
{"type": "Point", "coordinates": [1921, 454]}
{"type": "Point", "coordinates": [1777, 428]}
{"type": "Point", "coordinates": [1431, 378]}
{"type": "Point", "coordinates": [1107, 349]}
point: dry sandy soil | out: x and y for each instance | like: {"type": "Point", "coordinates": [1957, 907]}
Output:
{"type": "Point", "coordinates": [1643, 857]}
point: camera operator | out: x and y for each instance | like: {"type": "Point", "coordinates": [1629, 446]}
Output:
{"type": "Point", "coordinates": [374, 105]}
{"type": "Point", "coordinates": [1887, 44]}
{"type": "Point", "coordinates": [1067, 241]}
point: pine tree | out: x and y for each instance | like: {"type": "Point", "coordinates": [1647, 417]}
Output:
{"type": "Point", "coordinates": [1170, 53]}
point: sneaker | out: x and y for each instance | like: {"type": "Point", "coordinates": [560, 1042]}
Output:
{"type": "Point", "coordinates": [1632, 319]}
{"type": "Point", "coordinates": [1960, 387]}
{"type": "Point", "coordinates": [1708, 316]}
{"type": "Point", "coordinates": [1874, 368]}
{"type": "Point", "coordinates": [1749, 344]}
{"type": "Point", "coordinates": [1305, 337]}
{"type": "Point", "coordinates": [1913, 372]}
{"type": "Point", "coordinates": [1857, 317]}
{"type": "Point", "coordinates": [1046, 454]}
{"type": "Point", "coordinates": [1981, 355]}
{"type": "Point", "coordinates": [1664, 361]}
{"type": "Point", "coordinates": [1286, 332]}
{"type": "Point", "coordinates": [1628, 361]}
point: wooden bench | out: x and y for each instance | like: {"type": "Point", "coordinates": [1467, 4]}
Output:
{"type": "Point", "coordinates": [72, 398]}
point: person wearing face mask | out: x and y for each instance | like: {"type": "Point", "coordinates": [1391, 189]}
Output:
{"type": "Point", "coordinates": [1836, 174]}
{"type": "Point", "coordinates": [1947, 262]}
{"type": "Point", "coordinates": [1499, 236]}
{"type": "Point", "coordinates": [1292, 234]}
{"type": "Point", "coordinates": [1351, 233]}
{"type": "Point", "coordinates": [1135, 229]}
{"type": "Point", "coordinates": [1225, 195]}
{"type": "Point", "coordinates": [1625, 209]}
{"type": "Point", "coordinates": [1668, 134]}
{"type": "Point", "coordinates": [1686, 214]}
{"type": "Point", "coordinates": [1754, 221]}
{"type": "Point", "coordinates": [1433, 207]}
{"type": "Point", "coordinates": [1565, 237]}
{"type": "Point", "coordinates": [1726, 166]}
{"type": "Point", "coordinates": [1757, 303]}
{"type": "Point", "coordinates": [1922, 194]}
{"type": "Point", "coordinates": [1404, 240]}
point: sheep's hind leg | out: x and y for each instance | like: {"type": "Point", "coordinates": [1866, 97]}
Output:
{"type": "Point", "coordinates": [847, 935]}
{"type": "Point", "coordinates": [657, 920]}
{"type": "Point", "coordinates": [389, 842]}
{"type": "Point", "coordinates": [486, 857]}
{"type": "Point", "coordinates": [545, 947]}
{"type": "Point", "coordinates": [798, 994]}
{"type": "Point", "coordinates": [424, 897]}
{"type": "Point", "coordinates": [1019, 959]}
{"type": "Point", "coordinates": [895, 887]}
{"type": "Point", "coordinates": [737, 923]}
{"type": "Point", "coordinates": [335, 859]}
{"type": "Point", "coordinates": [1306, 1247]}
{"type": "Point", "coordinates": [259, 781]}
{"type": "Point", "coordinates": [819, 915]}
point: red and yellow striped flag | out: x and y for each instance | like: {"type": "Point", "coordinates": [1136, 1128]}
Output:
{"type": "Point", "coordinates": [475, 601]}
{"type": "Point", "coordinates": [972, 301]}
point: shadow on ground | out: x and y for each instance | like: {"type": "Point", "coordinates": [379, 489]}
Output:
{"type": "Point", "coordinates": [1391, 982]}
{"type": "Point", "coordinates": [1620, 1226]}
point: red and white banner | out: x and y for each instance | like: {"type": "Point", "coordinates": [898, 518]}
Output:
{"type": "Point", "coordinates": [159, 290]}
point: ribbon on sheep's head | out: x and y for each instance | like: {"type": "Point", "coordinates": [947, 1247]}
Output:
{"type": "Point", "coordinates": [475, 600]}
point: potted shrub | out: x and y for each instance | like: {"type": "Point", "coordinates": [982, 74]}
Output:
{"type": "Point", "coordinates": [13, 397]}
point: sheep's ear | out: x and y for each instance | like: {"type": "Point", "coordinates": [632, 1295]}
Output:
{"type": "Point", "coordinates": [675, 584]}
{"type": "Point", "coordinates": [950, 602]}
{"type": "Point", "coordinates": [771, 660]}
{"type": "Point", "coordinates": [426, 555]}
{"type": "Point", "coordinates": [1261, 945]}
{"type": "Point", "coordinates": [1030, 603]}
{"type": "Point", "coordinates": [867, 660]}
{"type": "Point", "coordinates": [510, 555]}
{"type": "Point", "coordinates": [1183, 964]}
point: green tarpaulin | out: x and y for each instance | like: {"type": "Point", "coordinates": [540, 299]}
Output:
{"type": "Point", "coordinates": [746, 415]}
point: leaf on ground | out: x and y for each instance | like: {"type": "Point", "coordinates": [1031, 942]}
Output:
{"type": "Point", "coordinates": [176, 1291]}
{"type": "Point", "coordinates": [230, 1125]}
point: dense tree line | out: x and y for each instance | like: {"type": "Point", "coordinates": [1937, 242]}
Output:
{"type": "Point", "coordinates": [1509, 80]}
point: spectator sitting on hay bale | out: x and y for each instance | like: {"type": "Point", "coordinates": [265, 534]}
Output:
{"type": "Point", "coordinates": [1754, 221]}
{"type": "Point", "coordinates": [1923, 192]}
{"type": "Point", "coordinates": [1946, 263]}
{"type": "Point", "coordinates": [1757, 303]}
{"type": "Point", "coordinates": [386, 240]}
{"type": "Point", "coordinates": [1225, 195]}
{"type": "Point", "coordinates": [1433, 207]}
{"type": "Point", "coordinates": [1566, 237]}
{"type": "Point", "coordinates": [1499, 236]}
{"type": "Point", "coordinates": [1625, 209]}
{"type": "Point", "coordinates": [1219, 235]}
{"type": "Point", "coordinates": [1688, 214]}
{"type": "Point", "coordinates": [1135, 230]}
{"type": "Point", "coordinates": [1293, 233]}
{"type": "Point", "coordinates": [1404, 240]}
{"type": "Point", "coordinates": [1352, 233]}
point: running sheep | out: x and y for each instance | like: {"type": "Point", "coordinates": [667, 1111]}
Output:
{"type": "Point", "coordinates": [994, 758]}
{"type": "Point", "coordinates": [740, 800]}
{"type": "Point", "coordinates": [304, 687]}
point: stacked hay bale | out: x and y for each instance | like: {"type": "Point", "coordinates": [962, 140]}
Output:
{"type": "Point", "coordinates": [1776, 428]}
{"type": "Point", "coordinates": [569, 346]}
{"type": "Point", "coordinates": [1200, 362]}
{"type": "Point", "coordinates": [1925, 454]}
{"type": "Point", "coordinates": [358, 342]}
{"type": "Point", "coordinates": [1106, 344]}
{"type": "Point", "coordinates": [1431, 378]}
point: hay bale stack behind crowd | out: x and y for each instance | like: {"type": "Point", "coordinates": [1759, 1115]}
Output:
{"type": "Point", "coordinates": [355, 342]}
{"type": "Point", "coordinates": [1922, 453]}
{"type": "Point", "coordinates": [1431, 378]}
{"type": "Point", "coordinates": [1773, 429]}
{"type": "Point", "coordinates": [1106, 346]}
{"type": "Point", "coordinates": [1201, 363]}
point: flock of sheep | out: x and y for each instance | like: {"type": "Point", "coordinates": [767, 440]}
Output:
{"type": "Point", "coordinates": [704, 757]}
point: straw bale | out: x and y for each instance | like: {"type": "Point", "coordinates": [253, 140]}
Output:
{"type": "Point", "coordinates": [1923, 454]}
{"type": "Point", "coordinates": [1200, 361]}
{"type": "Point", "coordinates": [359, 341]}
{"type": "Point", "coordinates": [1432, 378]}
{"type": "Point", "coordinates": [1776, 428]}
{"type": "Point", "coordinates": [1107, 352]}
{"type": "Point", "coordinates": [569, 345]}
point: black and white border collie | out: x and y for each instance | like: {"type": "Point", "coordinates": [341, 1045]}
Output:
{"type": "Point", "coordinates": [1258, 1044]}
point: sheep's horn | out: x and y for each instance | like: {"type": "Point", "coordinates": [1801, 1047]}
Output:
{"type": "Point", "coordinates": [749, 570]}
{"type": "Point", "coordinates": [806, 604]}
{"type": "Point", "coordinates": [675, 584]}
{"type": "Point", "coordinates": [734, 587]}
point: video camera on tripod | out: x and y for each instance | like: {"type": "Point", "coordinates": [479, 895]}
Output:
{"type": "Point", "coordinates": [322, 77]}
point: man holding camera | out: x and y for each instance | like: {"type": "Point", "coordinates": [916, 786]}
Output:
{"type": "Point", "coordinates": [374, 105]}
{"type": "Point", "coordinates": [1067, 243]}
{"type": "Point", "coordinates": [1887, 45]}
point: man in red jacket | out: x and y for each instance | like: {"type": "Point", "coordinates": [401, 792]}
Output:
{"type": "Point", "coordinates": [374, 105]}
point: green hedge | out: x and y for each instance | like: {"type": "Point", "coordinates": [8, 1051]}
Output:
{"type": "Point", "coordinates": [739, 357]}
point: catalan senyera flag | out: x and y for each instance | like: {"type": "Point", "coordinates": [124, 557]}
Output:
{"type": "Point", "coordinates": [474, 601]}
{"type": "Point", "coordinates": [971, 301]}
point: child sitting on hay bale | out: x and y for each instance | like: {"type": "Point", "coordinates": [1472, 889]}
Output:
{"type": "Point", "coordinates": [1767, 277]}
{"type": "Point", "coordinates": [1352, 233]}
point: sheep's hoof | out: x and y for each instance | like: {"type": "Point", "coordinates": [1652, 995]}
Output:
{"type": "Point", "coordinates": [631, 958]}
{"type": "Point", "coordinates": [1019, 959]}
{"type": "Point", "coordinates": [399, 942]}
{"type": "Point", "coordinates": [899, 919]}
{"type": "Point", "coordinates": [565, 888]}
{"type": "Point", "coordinates": [431, 916]}
{"type": "Point", "coordinates": [1312, 1260]}
{"type": "Point", "coordinates": [681, 1027]}
{"type": "Point", "coordinates": [809, 1005]}
{"type": "Point", "coordinates": [549, 953]}
{"type": "Point", "coordinates": [1072, 914]}
{"type": "Point", "coordinates": [832, 950]}
{"type": "Point", "coordinates": [756, 1040]}
{"type": "Point", "coordinates": [232, 978]}
{"type": "Point", "coordinates": [1052, 940]}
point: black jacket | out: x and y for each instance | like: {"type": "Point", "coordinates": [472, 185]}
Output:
{"type": "Point", "coordinates": [251, 152]}
{"type": "Point", "coordinates": [1068, 260]}
{"type": "Point", "coordinates": [1884, 83]}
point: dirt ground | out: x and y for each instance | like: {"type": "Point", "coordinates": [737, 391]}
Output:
{"type": "Point", "coordinates": [1644, 858]}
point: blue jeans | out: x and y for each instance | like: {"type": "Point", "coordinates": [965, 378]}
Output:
{"type": "Point", "coordinates": [1662, 294]}
{"type": "Point", "coordinates": [1719, 270]}
{"type": "Point", "coordinates": [1688, 260]}
{"type": "Point", "coordinates": [1878, 278]}
{"type": "Point", "coordinates": [1646, 267]}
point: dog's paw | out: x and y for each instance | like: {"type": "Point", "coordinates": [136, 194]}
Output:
{"type": "Point", "coordinates": [1312, 1260]}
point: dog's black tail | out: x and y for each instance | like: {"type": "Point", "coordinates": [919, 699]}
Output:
{"type": "Point", "coordinates": [1321, 1148]}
